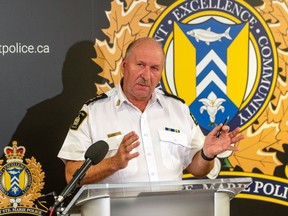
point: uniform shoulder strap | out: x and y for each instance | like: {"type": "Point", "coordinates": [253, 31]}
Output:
{"type": "Point", "coordinates": [96, 98]}
{"type": "Point", "coordinates": [173, 96]}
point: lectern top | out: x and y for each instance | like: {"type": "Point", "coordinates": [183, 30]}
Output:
{"type": "Point", "coordinates": [232, 186]}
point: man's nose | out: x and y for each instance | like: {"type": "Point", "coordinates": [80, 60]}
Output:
{"type": "Point", "coordinates": [146, 73]}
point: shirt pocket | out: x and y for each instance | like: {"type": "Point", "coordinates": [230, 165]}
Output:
{"type": "Point", "coordinates": [173, 147]}
{"type": "Point", "coordinates": [114, 143]}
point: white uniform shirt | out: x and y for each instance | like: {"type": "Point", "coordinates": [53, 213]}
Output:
{"type": "Point", "coordinates": [168, 136]}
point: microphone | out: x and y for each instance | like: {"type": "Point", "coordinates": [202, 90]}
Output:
{"type": "Point", "coordinates": [94, 154]}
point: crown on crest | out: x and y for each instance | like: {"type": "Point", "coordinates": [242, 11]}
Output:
{"type": "Point", "coordinates": [14, 153]}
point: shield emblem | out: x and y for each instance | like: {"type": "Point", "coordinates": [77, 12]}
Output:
{"type": "Point", "coordinates": [211, 69]}
{"type": "Point", "coordinates": [14, 178]}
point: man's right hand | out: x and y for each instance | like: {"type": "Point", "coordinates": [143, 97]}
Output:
{"type": "Point", "coordinates": [124, 153]}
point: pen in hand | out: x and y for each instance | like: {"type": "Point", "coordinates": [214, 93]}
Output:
{"type": "Point", "coordinates": [219, 132]}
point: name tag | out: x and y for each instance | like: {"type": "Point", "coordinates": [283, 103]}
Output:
{"type": "Point", "coordinates": [114, 134]}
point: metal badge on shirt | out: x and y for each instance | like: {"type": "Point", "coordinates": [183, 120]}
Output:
{"type": "Point", "coordinates": [114, 134]}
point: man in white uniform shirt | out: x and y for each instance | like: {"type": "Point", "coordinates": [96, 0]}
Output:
{"type": "Point", "coordinates": [151, 134]}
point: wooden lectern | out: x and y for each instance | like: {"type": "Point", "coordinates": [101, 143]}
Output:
{"type": "Point", "coordinates": [203, 197]}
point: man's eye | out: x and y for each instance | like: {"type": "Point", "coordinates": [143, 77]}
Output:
{"type": "Point", "coordinates": [155, 68]}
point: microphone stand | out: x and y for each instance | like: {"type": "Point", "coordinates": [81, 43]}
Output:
{"type": "Point", "coordinates": [91, 159]}
{"type": "Point", "coordinates": [70, 188]}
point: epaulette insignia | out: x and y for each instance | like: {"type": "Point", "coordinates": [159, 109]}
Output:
{"type": "Point", "coordinates": [173, 96]}
{"type": "Point", "coordinates": [97, 97]}
{"type": "Point", "coordinates": [78, 120]}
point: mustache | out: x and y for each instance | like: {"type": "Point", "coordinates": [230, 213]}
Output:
{"type": "Point", "coordinates": [143, 82]}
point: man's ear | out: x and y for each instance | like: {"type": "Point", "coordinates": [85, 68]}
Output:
{"type": "Point", "coordinates": [123, 65]}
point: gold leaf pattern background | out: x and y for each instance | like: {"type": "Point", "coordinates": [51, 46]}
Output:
{"type": "Point", "coordinates": [268, 134]}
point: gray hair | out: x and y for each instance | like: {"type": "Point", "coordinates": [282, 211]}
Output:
{"type": "Point", "coordinates": [140, 40]}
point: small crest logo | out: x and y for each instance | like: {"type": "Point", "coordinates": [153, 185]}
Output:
{"type": "Point", "coordinates": [20, 183]}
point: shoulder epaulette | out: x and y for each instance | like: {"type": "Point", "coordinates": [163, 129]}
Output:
{"type": "Point", "coordinates": [193, 118]}
{"type": "Point", "coordinates": [96, 98]}
{"type": "Point", "coordinates": [173, 96]}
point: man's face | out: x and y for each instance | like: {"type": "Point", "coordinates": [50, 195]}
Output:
{"type": "Point", "coordinates": [142, 70]}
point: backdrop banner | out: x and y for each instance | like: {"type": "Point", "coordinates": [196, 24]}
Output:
{"type": "Point", "coordinates": [225, 58]}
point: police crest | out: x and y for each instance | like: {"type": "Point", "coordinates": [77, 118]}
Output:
{"type": "Point", "coordinates": [21, 183]}
{"type": "Point", "coordinates": [221, 59]}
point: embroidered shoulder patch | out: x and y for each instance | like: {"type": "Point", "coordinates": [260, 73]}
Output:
{"type": "Point", "coordinates": [78, 120]}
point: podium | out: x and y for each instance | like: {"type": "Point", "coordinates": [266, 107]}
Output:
{"type": "Point", "coordinates": [203, 197]}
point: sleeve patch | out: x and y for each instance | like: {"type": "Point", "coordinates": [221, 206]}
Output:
{"type": "Point", "coordinates": [78, 120]}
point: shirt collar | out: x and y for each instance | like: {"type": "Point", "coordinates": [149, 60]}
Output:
{"type": "Point", "coordinates": [121, 97]}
